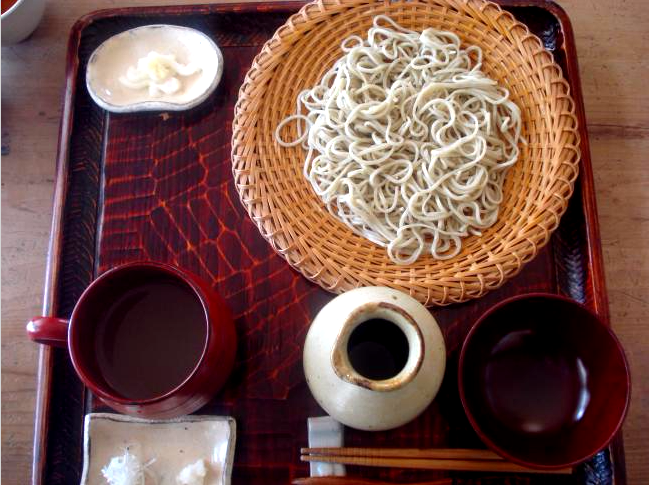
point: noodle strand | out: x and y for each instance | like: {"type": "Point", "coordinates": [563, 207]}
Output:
{"type": "Point", "coordinates": [408, 142]}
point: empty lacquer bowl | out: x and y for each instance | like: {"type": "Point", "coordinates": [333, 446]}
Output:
{"type": "Point", "coordinates": [154, 68]}
{"type": "Point", "coordinates": [543, 381]}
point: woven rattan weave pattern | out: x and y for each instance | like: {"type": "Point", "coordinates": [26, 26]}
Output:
{"type": "Point", "coordinates": [292, 218]}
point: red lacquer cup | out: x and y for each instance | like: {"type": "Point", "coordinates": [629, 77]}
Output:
{"type": "Point", "coordinates": [148, 339]}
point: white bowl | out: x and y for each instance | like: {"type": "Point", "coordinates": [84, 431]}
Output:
{"type": "Point", "coordinates": [112, 59]}
{"type": "Point", "coordinates": [21, 20]}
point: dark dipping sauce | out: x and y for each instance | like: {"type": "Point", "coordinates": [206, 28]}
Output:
{"type": "Point", "coordinates": [149, 341]}
{"type": "Point", "coordinates": [377, 349]}
{"type": "Point", "coordinates": [534, 385]}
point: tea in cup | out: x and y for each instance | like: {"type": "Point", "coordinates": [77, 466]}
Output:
{"type": "Point", "coordinates": [148, 339]}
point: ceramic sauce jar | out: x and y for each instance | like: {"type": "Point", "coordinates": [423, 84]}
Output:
{"type": "Point", "coordinates": [374, 358]}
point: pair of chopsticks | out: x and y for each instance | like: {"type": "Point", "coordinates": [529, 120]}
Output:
{"type": "Point", "coordinates": [428, 459]}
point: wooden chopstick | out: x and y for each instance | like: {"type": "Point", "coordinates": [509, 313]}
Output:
{"type": "Point", "coordinates": [457, 464]}
{"type": "Point", "coordinates": [420, 453]}
{"type": "Point", "coordinates": [330, 480]}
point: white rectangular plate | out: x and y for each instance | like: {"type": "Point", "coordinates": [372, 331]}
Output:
{"type": "Point", "coordinates": [173, 444]}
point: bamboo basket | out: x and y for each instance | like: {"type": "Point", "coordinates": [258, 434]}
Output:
{"type": "Point", "coordinates": [291, 216]}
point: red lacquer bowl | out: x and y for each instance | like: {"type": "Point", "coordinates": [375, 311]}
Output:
{"type": "Point", "coordinates": [543, 381]}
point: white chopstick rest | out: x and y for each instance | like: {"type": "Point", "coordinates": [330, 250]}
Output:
{"type": "Point", "coordinates": [325, 432]}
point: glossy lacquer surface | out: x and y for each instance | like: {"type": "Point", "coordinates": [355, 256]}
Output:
{"type": "Point", "coordinates": [159, 186]}
{"type": "Point", "coordinates": [543, 381]}
{"type": "Point", "coordinates": [149, 339]}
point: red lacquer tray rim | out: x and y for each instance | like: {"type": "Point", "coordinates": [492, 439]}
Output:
{"type": "Point", "coordinates": [45, 362]}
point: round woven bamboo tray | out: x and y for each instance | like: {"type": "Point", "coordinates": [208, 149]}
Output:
{"type": "Point", "coordinates": [292, 218]}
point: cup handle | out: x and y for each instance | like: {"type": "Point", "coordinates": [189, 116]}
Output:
{"type": "Point", "coordinates": [48, 331]}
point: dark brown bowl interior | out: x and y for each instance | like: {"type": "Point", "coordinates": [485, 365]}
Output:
{"type": "Point", "coordinates": [543, 381]}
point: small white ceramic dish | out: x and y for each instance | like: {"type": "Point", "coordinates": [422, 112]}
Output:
{"type": "Point", "coordinates": [173, 444]}
{"type": "Point", "coordinates": [112, 59]}
{"type": "Point", "coordinates": [21, 20]}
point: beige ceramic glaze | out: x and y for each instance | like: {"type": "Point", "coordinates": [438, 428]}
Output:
{"type": "Point", "coordinates": [173, 444]}
{"type": "Point", "coordinates": [353, 399]}
{"type": "Point", "coordinates": [113, 58]}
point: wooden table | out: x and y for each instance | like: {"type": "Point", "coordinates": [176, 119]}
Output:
{"type": "Point", "coordinates": [613, 46]}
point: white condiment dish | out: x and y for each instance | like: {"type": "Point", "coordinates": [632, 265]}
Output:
{"type": "Point", "coordinates": [172, 444]}
{"type": "Point", "coordinates": [340, 356]}
{"type": "Point", "coordinates": [115, 56]}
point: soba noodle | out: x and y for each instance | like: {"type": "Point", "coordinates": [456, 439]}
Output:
{"type": "Point", "coordinates": [407, 141]}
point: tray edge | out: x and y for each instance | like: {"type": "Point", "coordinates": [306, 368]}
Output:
{"type": "Point", "coordinates": [45, 361]}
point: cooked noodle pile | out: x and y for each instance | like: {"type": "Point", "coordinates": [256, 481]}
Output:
{"type": "Point", "coordinates": [407, 141]}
